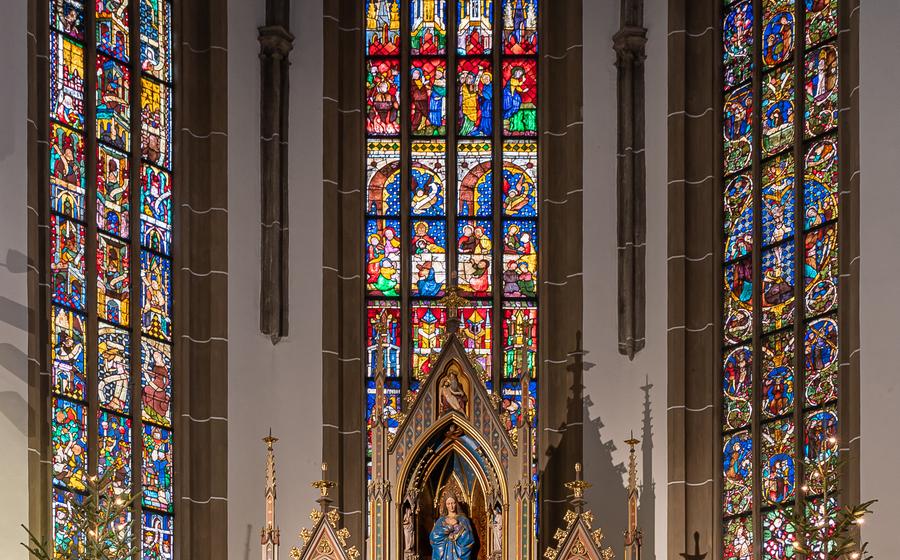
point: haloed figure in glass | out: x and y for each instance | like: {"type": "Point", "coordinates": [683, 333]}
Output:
{"type": "Point", "coordinates": [452, 537]}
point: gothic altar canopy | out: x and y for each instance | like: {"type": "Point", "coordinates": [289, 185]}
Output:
{"type": "Point", "coordinates": [452, 476]}
{"type": "Point", "coordinates": [452, 482]}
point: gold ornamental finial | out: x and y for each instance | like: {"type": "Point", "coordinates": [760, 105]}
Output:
{"type": "Point", "coordinates": [270, 440]}
{"type": "Point", "coordinates": [324, 485]}
{"type": "Point", "coordinates": [578, 486]}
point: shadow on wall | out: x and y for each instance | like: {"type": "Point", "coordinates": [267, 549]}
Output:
{"type": "Point", "coordinates": [608, 496]}
{"type": "Point", "coordinates": [12, 358]}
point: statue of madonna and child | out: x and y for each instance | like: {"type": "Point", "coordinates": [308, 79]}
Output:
{"type": "Point", "coordinates": [452, 537]}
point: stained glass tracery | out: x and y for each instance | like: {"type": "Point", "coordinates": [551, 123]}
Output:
{"type": "Point", "coordinates": [110, 261]}
{"type": "Point", "coordinates": [463, 107]}
{"type": "Point", "coordinates": [780, 264]}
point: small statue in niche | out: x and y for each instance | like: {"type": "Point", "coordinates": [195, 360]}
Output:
{"type": "Point", "coordinates": [497, 531]}
{"type": "Point", "coordinates": [409, 532]}
{"type": "Point", "coordinates": [452, 394]}
{"type": "Point", "coordinates": [452, 537]}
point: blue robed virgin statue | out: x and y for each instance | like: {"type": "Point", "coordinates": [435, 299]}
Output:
{"type": "Point", "coordinates": [452, 537]}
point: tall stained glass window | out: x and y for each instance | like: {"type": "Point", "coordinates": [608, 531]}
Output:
{"type": "Point", "coordinates": [780, 265]}
{"type": "Point", "coordinates": [110, 261]}
{"type": "Point", "coordinates": [451, 96]}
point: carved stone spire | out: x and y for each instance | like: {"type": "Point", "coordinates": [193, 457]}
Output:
{"type": "Point", "coordinates": [270, 536]}
{"type": "Point", "coordinates": [647, 508]}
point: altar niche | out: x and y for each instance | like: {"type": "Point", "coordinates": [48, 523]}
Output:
{"type": "Point", "coordinates": [451, 481]}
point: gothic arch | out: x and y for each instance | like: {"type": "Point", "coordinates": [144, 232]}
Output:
{"type": "Point", "coordinates": [559, 292]}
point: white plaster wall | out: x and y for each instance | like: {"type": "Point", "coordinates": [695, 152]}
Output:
{"type": "Point", "coordinates": [879, 270]}
{"type": "Point", "coordinates": [13, 282]}
{"type": "Point", "coordinates": [273, 386]}
{"type": "Point", "coordinates": [614, 384]}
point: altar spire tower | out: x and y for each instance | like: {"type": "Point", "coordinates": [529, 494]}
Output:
{"type": "Point", "coordinates": [270, 536]}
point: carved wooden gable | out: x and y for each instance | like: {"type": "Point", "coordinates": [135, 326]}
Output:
{"type": "Point", "coordinates": [325, 541]}
{"type": "Point", "coordinates": [579, 540]}
{"type": "Point", "coordinates": [455, 388]}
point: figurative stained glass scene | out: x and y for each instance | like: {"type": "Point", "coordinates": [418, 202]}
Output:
{"type": "Point", "coordinates": [66, 172]}
{"type": "Point", "coordinates": [383, 97]}
{"type": "Point", "coordinates": [113, 192]}
{"type": "Point", "coordinates": [114, 369]}
{"type": "Point", "coordinates": [737, 37]}
{"type": "Point", "coordinates": [780, 362]}
{"type": "Point", "coordinates": [439, 220]}
{"type": "Point", "coordinates": [428, 96]}
{"type": "Point", "coordinates": [109, 272]}
{"type": "Point", "coordinates": [475, 97]}
{"type": "Point", "coordinates": [738, 222]}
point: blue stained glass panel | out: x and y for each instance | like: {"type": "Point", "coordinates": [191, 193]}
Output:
{"type": "Point", "coordinates": [387, 315]}
{"type": "Point", "coordinates": [114, 443]}
{"type": "Point", "coordinates": [428, 190]}
{"type": "Point", "coordinates": [738, 217]}
{"type": "Point", "coordinates": [737, 37]}
{"type": "Point", "coordinates": [157, 542]}
{"type": "Point", "coordinates": [820, 184]}
{"type": "Point", "coordinates": [821, 360]}
{"type": "Point", "coordinates": [383, 177]}
{"type": "Point", "coordinates": [737, 387]}
{"type": "Point", "coordinates": [68, 16]}
{"type": "Point", "coordinates": [428, 249]}
{"type": "Point", "coordinates": [778, 199]}
{"type": "Point", "coordinates": [156, 209]}
{"type": "Point", "coordinates": [113, 280]}
{"type": "Point", "coordinates": [777, 460]}
{"type": "Point", "coordinates": [737, 128]}
{"type": "Point", "coordinates": [67, 541]}
{"type": "Point", "coordinates": [820, 270]}
{"type": "Point", "coordinates": [156, 39]}
{"type": "Point", "coordinates": [737, 470]}
{"type": "Point", "coordinates": [156, 472]}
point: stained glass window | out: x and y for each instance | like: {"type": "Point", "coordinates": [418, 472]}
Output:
{"type": "Point", "coordinates": [780, 265]}
{"type": "Point", "coordinates": [451, 96]}
{"type": "Point", "coordinates": [110, 261]}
